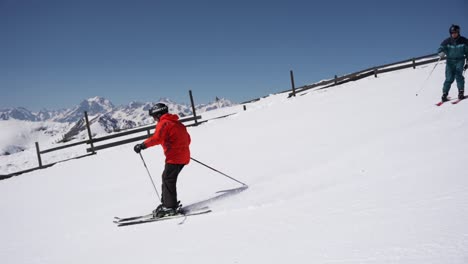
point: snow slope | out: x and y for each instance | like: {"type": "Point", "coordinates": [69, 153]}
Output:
{"type": "Point", "coordinates": [17, 148]}
{"type": "Point", "coordinates": [361, 173]}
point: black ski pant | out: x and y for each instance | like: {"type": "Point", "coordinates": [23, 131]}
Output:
{"type": "Point", "coordinates": [169, 181]}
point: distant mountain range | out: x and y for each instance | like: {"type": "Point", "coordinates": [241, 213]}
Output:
{"type": "Point", "coordinates": [100, 106]}
{"type": "Point", "coordinates": [104, 116]}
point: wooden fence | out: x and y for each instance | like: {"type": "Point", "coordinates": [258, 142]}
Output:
{"type": "Point", "coordinates": [91, 150]}
{"type": "Point", "coordinates": [92, 141]}
{"type": "Point", "coordinates": [373, 71]}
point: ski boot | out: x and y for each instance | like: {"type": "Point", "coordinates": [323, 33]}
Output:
{"type": "Point", "coordinates": [461, 94]}
{"type": "Point", "coordinates": [444, 97]}
{"type": "Point", "coordinates": [162, 211]}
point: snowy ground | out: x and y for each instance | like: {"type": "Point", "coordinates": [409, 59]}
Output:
{"type": "Point", "coordinates": [17, 144]}
{"type": "Point", "coordinates": [361, 173]}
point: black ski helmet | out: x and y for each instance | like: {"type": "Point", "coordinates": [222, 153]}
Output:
{"type": "Point", "coordinates": [454, 28]}
{"type": "Point", "coordinates": [158, 110]}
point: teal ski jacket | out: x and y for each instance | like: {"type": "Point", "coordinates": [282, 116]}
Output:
{"type": "Point", "coordinates": [455, 49]}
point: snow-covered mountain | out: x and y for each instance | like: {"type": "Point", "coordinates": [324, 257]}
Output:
{"type": "Point", "coordinates": [18, 113]}
{"type": "Point", "coordinates": [218, 103]}
{"type": "Point", "coordinates": [94, 106]}
{"type": "Point", "coordinates": [135, 111]}
{"type": "Point", "coordinates": [103, 116]}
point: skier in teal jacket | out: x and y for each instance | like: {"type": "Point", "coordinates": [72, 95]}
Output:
{"type": "Point", "coordinates": [456, 49]}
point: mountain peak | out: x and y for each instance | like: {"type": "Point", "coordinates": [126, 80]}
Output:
{"type": "Point", "coordinates": [166, 100]}
{"type": "Point", "coordinates": [99, 100]}
{"type": "Point", "coordinates": [94, 106]}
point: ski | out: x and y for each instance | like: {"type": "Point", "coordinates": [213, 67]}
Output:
{"type": "Point", "coordinates": [459, 100]}
{"type": "Point", "coordinates": [183, 210]}
{"type": "Point", "coordinates": [442, 102]}
{"type": "Point", "coordinates": [118, 219]}
{"type": "Point", "coordinates": [149, 220]}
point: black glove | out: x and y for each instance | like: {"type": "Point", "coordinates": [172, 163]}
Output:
{"type": "Point", "coordinates": [466, 66]}
{"type": "Point", "coordinates": [139, 147]}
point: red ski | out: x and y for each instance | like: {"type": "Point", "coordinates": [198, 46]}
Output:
{"type": "Point", "coordinates": [458, 100]}
{"type": "Point", "coordinates": [442, 102]}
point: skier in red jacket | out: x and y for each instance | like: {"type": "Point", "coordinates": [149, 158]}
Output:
{"type": "Point", "coordinates": [175, 140]}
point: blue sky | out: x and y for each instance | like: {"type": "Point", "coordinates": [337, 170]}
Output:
{"type": "Point", "coordinates": [53, 54]}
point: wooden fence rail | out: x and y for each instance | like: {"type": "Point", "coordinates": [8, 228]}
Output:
{"type": "Point", "coordinates": [366, 73]}
{"type": "Point", "coordinates": [126, 141]}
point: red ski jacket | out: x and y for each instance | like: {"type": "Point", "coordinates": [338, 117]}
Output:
{"type": "Point", "coordinates": [173, 137]}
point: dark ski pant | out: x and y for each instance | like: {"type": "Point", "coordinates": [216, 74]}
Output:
{"type": "Point", "coordinates": [169, 181]}
{"type": "Point", "coordinates": [454, 70]}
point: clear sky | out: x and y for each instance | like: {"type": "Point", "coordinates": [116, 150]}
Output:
{"type": "Point", "coordinates": [53, 54]}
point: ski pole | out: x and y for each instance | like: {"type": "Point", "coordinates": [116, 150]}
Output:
{"type": "Point", "coordinates": [424, 84]}
{"type": "Point", "coordinates": [218, 171]}
{"type": "Point", "coordinates": [151, 178]}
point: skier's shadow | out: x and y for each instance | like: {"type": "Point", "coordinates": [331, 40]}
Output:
{"type": "Point", "coordinates": [222, 195]}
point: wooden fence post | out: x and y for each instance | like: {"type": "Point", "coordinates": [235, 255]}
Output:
{"type": "Point", "coordinates": [193, 107]}
{"type": "Point", "coordinates": [89, 132]}
{"type": "Point", "coordinates": [292, 83]}
{"type": "Point", "coordinates": [38, 154]}
{"type": "Point", "coordinates": [414, 63]}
